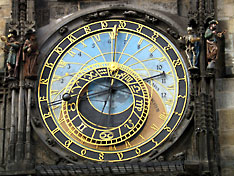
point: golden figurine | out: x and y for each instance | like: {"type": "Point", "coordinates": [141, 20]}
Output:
{"type": "Point", "coordinates": [192, 48]}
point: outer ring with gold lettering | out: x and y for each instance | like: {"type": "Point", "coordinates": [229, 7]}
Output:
{"type": "Point", "coordinates": [158, 134]}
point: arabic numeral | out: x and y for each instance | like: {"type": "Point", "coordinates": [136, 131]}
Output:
{"type": "Point", "coordinates": [79, 54]}
{"type": "Point", "coordinates": [109, 41]}
{"type": "Point", "coordinates": [93, 45]}
{"type": "Point", "coordinates": [138, 46]}
{"type": "Point", "coordinates": [156, 87]}
{"type": "Point", "coordinates": [62, 81]}
{"type": "Point", "coordinates": [163, 80]}
{"type": "Point", "coordinates": [163, 95]}
{"type": "Point", "coordinates": [125, 41]}
{"type": "Point", "coordinates": [68, 66]}
{"type": "Point", "coordinates": [159, 67]}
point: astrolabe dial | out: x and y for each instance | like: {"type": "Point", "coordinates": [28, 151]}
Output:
{"type": "Point", "coordinates": [113, 90]}
{"type": "Point", "coordinates": [107, 106]}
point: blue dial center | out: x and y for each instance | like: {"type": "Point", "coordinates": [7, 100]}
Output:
{"type": "Point", "coordinates": [116, 99]}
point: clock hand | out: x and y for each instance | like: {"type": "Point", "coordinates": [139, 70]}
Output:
{"type": "Point", "coordinates": [109, 112]}
{"type": "Point", "coordinates": [106, 102]}
{"type": "Point", "coordinates": [67, 97]}
{"type": "Point", "coordinates": [161, 74]}
{"type": "Point", "coordinates": [53, 103]}
{"type": "Point", "coordinates": [123, 86]}
{"type": "Point", "coordinates": [119, 87]}
{"type": "Point", "coordinates": [145, 79]}
{"type": "Point", "coordinates": [110, 92]}
{"type": "Point", "coordinates": [109, 87]}
{"type": "Point", "coordinates": [114, 67]}
{"type": "Point", "coordinates": [115, 33]}
{"type": "Point", "coordinates": [84, 97]}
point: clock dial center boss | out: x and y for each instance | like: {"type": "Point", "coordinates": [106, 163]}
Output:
{"type": "Point", "coordinates": [113, 90]}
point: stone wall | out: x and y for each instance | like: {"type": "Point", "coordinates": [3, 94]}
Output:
{"type": "Point", "coordinates": [48, 10]}
{"type": "Point", "coordinates": [225, 89]}
{"type": "Point", "coordinates": [225, 15]}
{"type": "Point", "coordinates": [5, 14]}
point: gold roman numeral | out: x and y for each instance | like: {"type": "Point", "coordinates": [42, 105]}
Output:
{"type": "Point", "coordinates": [84, 45]}
{"type": "Point", "coordinates": [154, 127]}
{"type": "Point", "coordinates": [71, 53]}
{"type": "Point", "coordinates": [163, 116]}
{"type": "Point", "coordinates": [171, 87]}
{"type": "Point", "coordinates": [97, 37]}
{"type": "Point", "coordinates": [140, 41]}
{"type": "Point", "coordinates": [81, 127]}
{"type": "Point", "coordinates": [141, 137]}
{"type": "Point", "coordinates": [152, 49]}
{"type": "Point", "coordinates": [169, 102]}
{"type": "Point", "coordinates": [127, 144]}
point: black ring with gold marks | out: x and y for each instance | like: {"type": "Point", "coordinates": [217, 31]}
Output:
{"type": "Point", "coordinates": [97, 127]}
{"type": "Point", "coordinates": [142, 113]}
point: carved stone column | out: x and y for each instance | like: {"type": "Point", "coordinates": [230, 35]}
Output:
{"type": "Point", "coordinates": [21, 118]}
{"type": "Point", "coordinates": [12, 141]}
{"type": "Point", "coordinates": [28, 157]}
{"type": "Point", "coordinates": [200, 13]}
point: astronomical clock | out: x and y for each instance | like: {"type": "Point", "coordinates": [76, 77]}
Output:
{"type": "Point", "coordinates": [112, 88]}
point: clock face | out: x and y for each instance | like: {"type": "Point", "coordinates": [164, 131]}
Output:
{"type": "Point", "coordinates": [113, 90]}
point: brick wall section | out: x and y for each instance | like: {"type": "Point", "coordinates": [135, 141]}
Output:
{"type": "Point", "coordinates": [5, 14]}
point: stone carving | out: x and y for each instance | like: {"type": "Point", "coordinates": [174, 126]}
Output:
{"type": "Point", "coordinates": [50, 142]}
{"type": "Point", "coordinates": [151, 19]}
{"type": "Point", "coordinates": [97, 15]}
{"type": "Point", "coordinates": [131, 13]}
{"type": "Point", "coordinates": [211, 35]}
{"type": "Point", "coordinates": [36, 121]}
{"type": "Point", "coordinates": [13, 54]}
{"type": "Point", "coordinates": [63, 30]}
{"type": "Point", "coordinates": [192, 48]}
{"type": "Point", "coordinates": [30, 54]}
{"type": "Point", "coordinates": [173, 33]}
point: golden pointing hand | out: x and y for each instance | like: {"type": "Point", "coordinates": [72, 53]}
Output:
{"type": "Point", "coordinates": [115, 34]}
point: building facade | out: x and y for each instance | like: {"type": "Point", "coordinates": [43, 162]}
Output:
{"type": "Point", "coordinates": [164, 104]}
